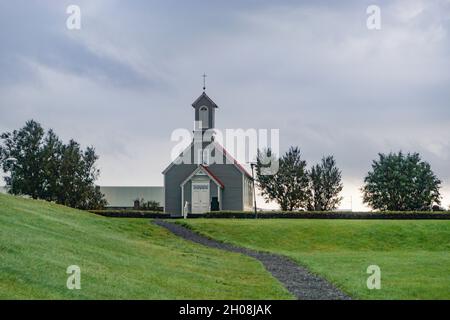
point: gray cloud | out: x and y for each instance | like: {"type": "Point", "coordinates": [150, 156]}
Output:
{"type": "Point", "coordinates": [312, 69]}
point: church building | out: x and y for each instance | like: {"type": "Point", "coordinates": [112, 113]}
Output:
{"type": "Point", "coordinates": [193, 184]}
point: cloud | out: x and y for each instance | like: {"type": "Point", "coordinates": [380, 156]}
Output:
{"type": "Point", "coordinates": [311, 69]}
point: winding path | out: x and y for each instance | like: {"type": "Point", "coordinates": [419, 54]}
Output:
{"type": "Point", "coordinates": [297, 280]}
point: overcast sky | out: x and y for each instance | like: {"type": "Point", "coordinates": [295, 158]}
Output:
{"type": "Point", "coordinates": [313, 70]}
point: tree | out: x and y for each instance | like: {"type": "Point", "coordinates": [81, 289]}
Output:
{"type": "Point", "coordinates": [94, 199]}
{"type": "Point", "coordinates": [289, 185]}
{"type": "Point", "coordinates": [52, 155]}
{"type": "Point", "coordinates": [76, 177]}
{"type": "Point", "coordinates": [400, 182]}
{"type": "Point", "coordinates": [325, 186]}
{"type": "Point", "coordinates": [71, 175]}
{"type": "Point", "coordinates": [41, 166]}
{"type": "Point", "coordinates": [22, 156]}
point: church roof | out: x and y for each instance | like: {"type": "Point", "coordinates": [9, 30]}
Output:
{"type": "Point", "coordinates": [221, 149]}
{"type": "Point", "coordinates": [208, 172]}
{"type": "Point", "coordinates": [204, 96]}
{"type": "Point", "coordinates": [235, 162]}
{"type": "Point", "coordinates": [213, 176]}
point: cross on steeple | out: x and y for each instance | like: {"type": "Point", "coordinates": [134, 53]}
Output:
{"type": "Point", "coordinates": [204, 81]}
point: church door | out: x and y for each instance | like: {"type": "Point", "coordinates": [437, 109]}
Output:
{"type": "Point", "coordinates": [200, 197]}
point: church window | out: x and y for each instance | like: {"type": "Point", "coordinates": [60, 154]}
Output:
{"type": "Point", "coordinates": [204, 117]}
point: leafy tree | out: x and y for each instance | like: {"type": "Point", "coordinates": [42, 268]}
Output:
{"type": "Point", "coordinates": [70, 175]}
{"type": "Point", "coordinates": [22, 156]}
{"type": "Point", "coordinates": [52, 155]}
{"type": "Point", "coordinates": [325, 186]}
{"type": "Point", "coordinates": [289, 185]}
{"type": "Point", "coordinates": [93, 197]}
{"type": "Point", "coordinates": [41, 166]}
{"type": "Point", "coordinates": [400, 182]}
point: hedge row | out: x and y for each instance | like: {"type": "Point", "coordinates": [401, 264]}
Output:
{"type": "Point", "coordinates": [131, 214]}
{"type": "Point", "coordinates": [327, 215]}
{"type": "Point", "coordinates": [279, 214]}
{"type": "Point", "coordinates": [327, 212]}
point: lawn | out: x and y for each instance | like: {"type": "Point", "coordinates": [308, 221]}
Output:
{"type": "Point", "coordinates": [119, 259]}
{"type": "Point", "coordinates": [414, 256]}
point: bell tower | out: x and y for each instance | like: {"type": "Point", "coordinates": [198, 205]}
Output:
{"type": "Point", "coordinates": [205, 110]}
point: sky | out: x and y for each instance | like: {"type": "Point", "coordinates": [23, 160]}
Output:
{"type": "Point", "coordinates": [312, 69]}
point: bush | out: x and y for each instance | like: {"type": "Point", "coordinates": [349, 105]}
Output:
{"type": "Point", "coordinates": [141, 204]}
{"type": "Point", "coordinates": [131, 214]}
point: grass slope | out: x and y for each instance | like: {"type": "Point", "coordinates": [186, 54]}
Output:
{"type": "Point", "coordinates": [414, 256]}
{"type": "Point", "coordinates": [119, 258]}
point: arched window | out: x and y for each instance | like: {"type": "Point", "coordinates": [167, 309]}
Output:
{"type": "Point", "coordinates": [204, 117]}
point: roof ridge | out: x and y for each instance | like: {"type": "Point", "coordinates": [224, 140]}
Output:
{"type": "Point", "coordinates": [207, 97]}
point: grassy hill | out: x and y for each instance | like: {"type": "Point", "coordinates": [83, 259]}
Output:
{"type": "Point", "coordinates": [414, 256]}
{"type": "Point", "coordinates": [119, 258]}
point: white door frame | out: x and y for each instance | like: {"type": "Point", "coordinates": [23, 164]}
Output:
{"type": "Point", "coordinates": [200, 182]}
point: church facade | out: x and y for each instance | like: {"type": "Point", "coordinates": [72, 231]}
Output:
{"type": "Point", "coordinates": [196, 184]}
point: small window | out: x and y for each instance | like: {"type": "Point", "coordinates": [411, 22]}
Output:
{"type": "Point", "coordinates": [203, 117]}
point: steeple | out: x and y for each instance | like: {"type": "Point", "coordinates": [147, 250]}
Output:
{"type": "Point", "coordinates": [204, 112]}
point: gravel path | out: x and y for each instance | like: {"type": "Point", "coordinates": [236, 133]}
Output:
{"type": "Point", "coordinates": [299, 281]}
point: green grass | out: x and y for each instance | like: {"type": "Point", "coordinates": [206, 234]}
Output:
{"type": "Point", "coordinates": [414, 256]}
{"type": "Point", "coordinates": [119, 259]}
